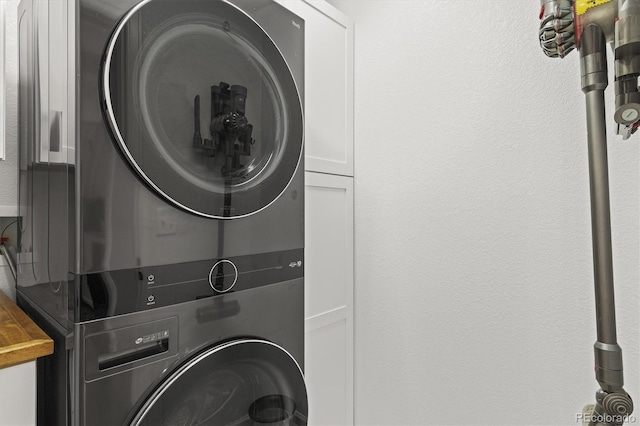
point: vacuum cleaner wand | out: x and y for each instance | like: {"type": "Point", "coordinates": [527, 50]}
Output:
{"type": "Point", "coordinates": [590, 25]}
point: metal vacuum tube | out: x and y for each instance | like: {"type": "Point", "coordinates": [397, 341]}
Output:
{"type": "Point", "coordinates": [589, 25]}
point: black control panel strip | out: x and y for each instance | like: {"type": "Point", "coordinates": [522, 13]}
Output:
{"type": "Point", "coordinates": [119, 292]}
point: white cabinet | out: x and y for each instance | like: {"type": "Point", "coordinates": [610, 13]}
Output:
{"type": "Point", "coordinates": [329, 242]}
{"type": "Point", "coordinates": [18, 395]}
{"type": "Point", "coordinates": [329, 298]}
{"type": "Point", "coordinates": [51, 127]}
{"type": "Point", "coordinates": [49, 77]}
{"type": "Point", "coordinates": [2, 79]}
{"type": "Point", "coordinates": [328, 211]}
{"type": "Point", "coordinates": [8, 106]}
{"type": "Point", "coordinates": [328, 87]}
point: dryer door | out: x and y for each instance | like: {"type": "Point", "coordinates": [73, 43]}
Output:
{"type": "Point", "coordinates": [244, 382]}
{"type": "Point", "coordinates": [203, 106]}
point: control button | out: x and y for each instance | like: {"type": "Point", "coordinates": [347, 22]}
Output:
{"type": "Point", "coordinates": [629, 114]}
{"type": "Point", "coordinates": [223, 276]}
{"type": "Point", "coordinates": [150, 278]}
{"type": "Point", "coordinates": [151, 298]}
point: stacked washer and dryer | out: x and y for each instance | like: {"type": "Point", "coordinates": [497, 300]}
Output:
{"type": "Point", "coordinates": [162, 210]}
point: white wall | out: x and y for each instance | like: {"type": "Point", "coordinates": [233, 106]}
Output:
{"type": "Point", "coordinates": [474, 294]}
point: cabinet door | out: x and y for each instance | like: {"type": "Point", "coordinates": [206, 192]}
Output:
{"type": "Point", "coordinates": [3, 19]}
{"type": "Point", "coordinates": [328, 87]}
{"type": "Point", "coordinates": [49, 80]}
{"type": "Point", "coordinates": [54, 130]}
{"type": "Point", "coordinates": [329, 298]}
{"type": "Point", "coordinates": [8, 149]}
{"type": "Point", "coordinates": [18, 395]}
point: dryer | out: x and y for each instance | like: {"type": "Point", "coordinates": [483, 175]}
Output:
{"type": "Point", "coordinates": [161, 144]}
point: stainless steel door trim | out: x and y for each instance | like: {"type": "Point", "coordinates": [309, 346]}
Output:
{"type": "Point", "coordinates": [106, 88]}
{"type": "Point", "coordinates": [157, 394]}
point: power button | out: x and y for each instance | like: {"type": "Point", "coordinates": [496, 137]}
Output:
{"type": "Point", "coordinates": [223, 276]}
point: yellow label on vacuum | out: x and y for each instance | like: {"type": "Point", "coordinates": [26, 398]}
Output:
{"type": "Point", "coordinates": [581, 6]}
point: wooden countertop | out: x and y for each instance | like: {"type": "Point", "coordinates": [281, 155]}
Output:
{"type": "Point", "coordinates": [21, 340]}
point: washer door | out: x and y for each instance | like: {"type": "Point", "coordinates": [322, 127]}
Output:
{"type": "Point", "coordinates": [244, 382]}
{"type": "Point", "coordinates": [203, 106]}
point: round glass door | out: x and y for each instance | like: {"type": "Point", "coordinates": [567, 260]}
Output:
{"type": "Point", "coordinates": [203, 106]}
{"type": "Point", "coordinates": [244, 382]}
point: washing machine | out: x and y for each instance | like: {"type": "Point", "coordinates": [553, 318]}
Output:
{"type": "Point", "coordinates": [232, 359]}
{"type": "Point", "coordinates": [162, 209]}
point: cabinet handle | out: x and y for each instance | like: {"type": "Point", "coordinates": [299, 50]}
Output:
{"type": "Point", "coordinates": [55, 132]}
{"type": "Point", "coordinates": [145, 350]}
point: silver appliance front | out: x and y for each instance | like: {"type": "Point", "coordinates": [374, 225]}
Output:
{"type": "Point", "coordinates": [140, 172]}
{"type": "Point", "coordinates": [235, 358]}
{"type": "Point", "coordinates": [242, 382]}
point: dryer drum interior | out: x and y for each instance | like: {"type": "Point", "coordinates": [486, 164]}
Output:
{"type": "Point", "coordinates": [243, 382]}
{"type": "Point", "coordinates": [203, 106]}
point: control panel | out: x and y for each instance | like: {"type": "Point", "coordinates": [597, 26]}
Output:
{"type": "Point", "coordinates": [117, 292]}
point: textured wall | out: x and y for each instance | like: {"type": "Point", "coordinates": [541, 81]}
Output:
{"type": "Point", "coordinates": [474, 294]}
